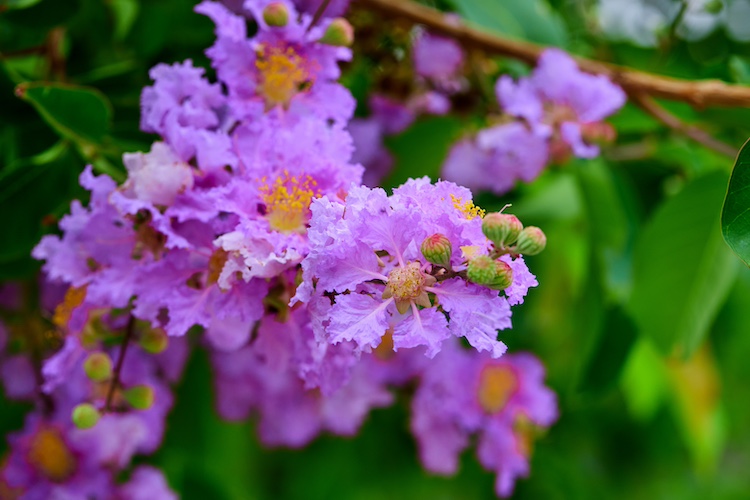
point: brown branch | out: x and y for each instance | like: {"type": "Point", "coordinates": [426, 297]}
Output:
{"type": "Point", "coordinates": [699, 135]}
{"type": "Point", "coordinates": [118, 367]}
{"type": "Point", "coordinates": [700, 93]}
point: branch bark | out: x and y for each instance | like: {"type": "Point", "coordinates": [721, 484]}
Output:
{"type": "Point", "coordinates": [699, 94]}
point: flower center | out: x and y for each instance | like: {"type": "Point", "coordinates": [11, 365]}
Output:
{"type": "Point", "coordinates": [74, 297]}
{"type": "Point", "coordinates": [50, 455]}
{"type": "Point", "coordinates": [282, 74]}
{"type": "Point", "coordinates": [496, 386]}
{"type": "Point", "coordinates": [287, 202]}
{"type": "Point", "coordinates": [406, 283]}
{"type": "Point", "coordinates": [468, 208]}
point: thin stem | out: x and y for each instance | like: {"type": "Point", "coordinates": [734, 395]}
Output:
{"type": "Point", "coordinates": [697, 93]}
{"type": "Point", "coordinates": [118, 366]}
{"type": "Point", "coordinates": [700, 136]}
{"type": "Point", "coordinates": [318, 14]}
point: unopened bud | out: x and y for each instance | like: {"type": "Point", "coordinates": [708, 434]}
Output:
{"type": "Point", "coordinates": [154, 341]}
{"type": "Point", "coordinates": [140, 397]}
{"type": "Point", "coordinates": [98, 366]}
{"type": "Point", "coordinates": [437, 249]}
{"type": "Point", "coordinates": [501, 229]}
{"type": "Point", "coordinates": [85, 416]}
{"type": "Point", "coordinates": [276, 14]}
{"type": "Point", "coordinates": [486, 271]}
{"type": "Point", "coordinates": [339, 33]}
{"type": "Point", "coordinates": [598, 133]}
{"type": "Point", "coordinates": [531, 241]}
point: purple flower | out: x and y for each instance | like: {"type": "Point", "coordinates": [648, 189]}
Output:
{"type": "Point", "coordinates": [437, 57]}
{"type": "Point", "coordinates": [464, 393]}
{"type": "Point", "coordinates": [146, 483]}
{"type": "Point", "coordinates": [281, 68]}
{"type": "Point", "coordinates": [497, 158]}
{"type": "Point", "coordinates": [367, 255]}
{"type": "Point", "coordinates": [559, 100]}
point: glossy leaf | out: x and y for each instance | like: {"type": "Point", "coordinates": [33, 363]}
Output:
{"type": "Point", "coordinates": [735, 216]}
{"type": "Point", "coordinates": [682, 269]}
{"type": "Point", "coordinates": [79, 113]}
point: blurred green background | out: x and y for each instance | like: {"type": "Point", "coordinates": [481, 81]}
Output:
{"type": "Point", "coordinates": [642, 316]}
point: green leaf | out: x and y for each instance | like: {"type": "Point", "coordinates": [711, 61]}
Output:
{"type": "Point", "coordinates": [125, 13]}
{"type": "Point", "coordinates": [421, 149]}
{"type": "Point", "coordinates": [606, 361]}
{"type": "Point", "coordinates": [529, 19]}
{"type": "Point", "coordinates": [735, 216]}
{"type": "Point", "coordinates": [682, 270]}
{"type": "Point", "coordinates": [79, 113]}
{"type": "Point", "coordinates": [20, 4]}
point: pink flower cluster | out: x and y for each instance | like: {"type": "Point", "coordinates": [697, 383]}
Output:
{"type": "Point", "coordinates": [246, 230]}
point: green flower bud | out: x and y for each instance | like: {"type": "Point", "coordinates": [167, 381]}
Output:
{"type": "Point", "coordinates": [486, 271]}
{"type": "Point", "coordinates": [714, 6]}
{"type": "Point", "coordinates": [154, 341]}
{"type": "Point", "coordinates": [437, 249]}
{"type": "Point", "coordinates": [140, 397]}
{"type": "Point", "coordinates": [501, 229]}
{"type": "Point", "coordinates": [339, 33]}
{"type": "Point", "coordinates": [276, 14]}
{"type": "Point", "coordinates": [98, 366]}
{"type": "Point", "coordinates": [85, 416]}
{"type": "Point", "coordinates": [531, 241]}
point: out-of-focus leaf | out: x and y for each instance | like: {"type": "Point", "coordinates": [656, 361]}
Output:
{"type": "Point", "coordinates": [607, 359]}
{"type": "Point", "coordinates": [735, 216]}
{"type": "Point", "coordinates": [739, 67]}
{"type": "Point", "coordinates": [422, 149]}
{"type": "Point", "coordinates": [79, 113]}
{"type": "Point", "coordinates": [697, 405]}
{"type": "Point", "coordinates": [31, 191]}
{"type": "Point", "coordinates": [529, 19]}
{"type": "Point", "coordinates": [611, 226]}
{"type": "Point", "coordinates": [644, 382]}
{"type": "Point", "coordinates": [125, 13]}
{"type": "Point", "coordinates": [682, 269]}
{"type": "Point", "coordinates": [20, 4]}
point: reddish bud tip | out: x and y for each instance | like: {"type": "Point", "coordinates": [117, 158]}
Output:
{"type": "Point", "coordinates": [98, 366]}
{"type": "Point", "coordinates": [339, 33]}
{"type": "Point", "coordinates": [486, 271]}
{"type": "Point", "coordinates": [276, 14]}
{"type": "Point", "coordinates": [501, 229]}
{"type": "Point", "coordinates": [437, 250]}
{"type": "Point", "coordinates": [154, 341]}
{"type": "Point", "coordinates": [531, 241]}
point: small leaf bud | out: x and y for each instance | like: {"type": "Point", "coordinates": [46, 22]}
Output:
{"type": "Point", "coordinates": [437, 250]}
{"type": "Point", "coordinates": [501, 229]}
{"type": "Point", "coordinates": [276, 14]}
{"type": "Point", "coordinates": [98, 366]}
{"type": "Point", "coordinates": [339, 33]}
{"type": "Point", "coordinates": [714, 6]}
{"type": "Point", "coordinates": [531, 241]}
{"type": "Point", "coordinates": [154, 341]}
{"type": "Point", "coordinates": [85, 416]}
{"type": "Point", "coordinates": [486, 271]}
{"type": "Point", "coordinates": [140, 397]}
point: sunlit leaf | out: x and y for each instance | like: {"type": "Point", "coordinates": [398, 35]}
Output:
{"type": "Point", "coordinates": [682, 269]}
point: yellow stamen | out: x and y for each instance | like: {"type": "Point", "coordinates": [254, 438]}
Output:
{"type": "Point", "coordinates": [50, 455]}
{"type": "Point", "coordinates": [73, 298]}
{"type": "Point", "coordinates": [497, 385]}
{"type": "Point", "coordinates": [287, 202]}
{"type": "Point", "coordinates": [283, 74]}
{"type": "Point", "coordinates": [468, 208]}
{"type": "Point", "coordinates": [524, 430]}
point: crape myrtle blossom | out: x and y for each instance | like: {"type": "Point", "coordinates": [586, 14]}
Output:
{"type": "Point", "coordinates": [561, 102]}
{"type": "Point", "coordinates": [366, 255]}
{"type": "Point", "coordinates": [281, 69]}
{"type": "Point", "coordinates": [559, 112]}
{"type": "Point", "coordinates": [503, 401]}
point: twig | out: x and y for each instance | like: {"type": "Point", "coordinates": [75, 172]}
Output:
{"type": "Point", "coordinates": [318, 13]}
{"type": "Point", "coordinates": [118, 366]}
{"type": "Point", "coordinates": [697, 93]}
{"type": "Point", "coordinates": [653, 108]}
